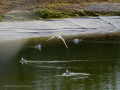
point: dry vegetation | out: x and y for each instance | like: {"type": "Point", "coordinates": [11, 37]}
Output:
{"type": "Point", "coordinates": [14, 4]}
{"type": "Point", "coordinates": [62, 8]}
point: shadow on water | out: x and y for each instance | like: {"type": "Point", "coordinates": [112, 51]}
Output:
{"type": "Point", "coordinates": [93, 65]}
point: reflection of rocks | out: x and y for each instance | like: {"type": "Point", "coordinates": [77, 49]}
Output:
{"type": "Point", "coordinates": [103, 7]}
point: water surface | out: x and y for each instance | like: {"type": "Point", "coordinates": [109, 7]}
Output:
{"type": "Point", "coordinates": [93, 65]}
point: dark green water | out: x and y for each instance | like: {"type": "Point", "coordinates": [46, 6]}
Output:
{"type": "Point", "coordinates": [93, 66]}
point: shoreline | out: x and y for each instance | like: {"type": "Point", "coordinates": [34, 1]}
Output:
{"type": "Point", "coordinates": [61, 10]}
{"type": "Point", "coordinates": [87, 26]}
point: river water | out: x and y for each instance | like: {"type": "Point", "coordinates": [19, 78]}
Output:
{"type": "Point", "coordinates": [92, 65]}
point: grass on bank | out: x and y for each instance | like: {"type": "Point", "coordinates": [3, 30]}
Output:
{"type": "Point", "coordinates": [47, 9]}
{"type": "Point", "coordinates": [51, 14]}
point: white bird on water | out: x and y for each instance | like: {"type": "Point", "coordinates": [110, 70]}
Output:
{"type": "Point", "coordinates": [75, 41]}
{"type": "Point", "coordinates": [38, 47]}
{"type": "Point", "coordinates": [58, 36]}
{"type": "Point", "coordinates": [67, 72]}
{"type": "Point", "coordinates": [23, 60]}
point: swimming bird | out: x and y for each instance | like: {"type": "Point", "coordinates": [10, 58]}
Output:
{"type": "Point", "coordinates": [76, 41]}
{"type": "Point", "coordinates": [38, 47]}
{"type": "Point", "coordinates": [23, 60]}
{"type": "Point", "coordinates": [67, 72]}
{"type": "Point", "coordinates": [58, 36]}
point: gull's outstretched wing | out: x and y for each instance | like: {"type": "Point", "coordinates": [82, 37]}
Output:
{"type": "Point", "coordinates": [58, 36]}
{"type": "Point", "coordinates": [64, 42]}
{"type": "Point", "coordinates": [51, 38]}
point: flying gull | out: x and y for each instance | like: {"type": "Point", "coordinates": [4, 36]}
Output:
{"type": "Point", "coordinates": [58, 36]}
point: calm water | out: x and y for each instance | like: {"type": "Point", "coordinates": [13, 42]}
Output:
{"type": "Point", "coordinates": [93, 66]}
